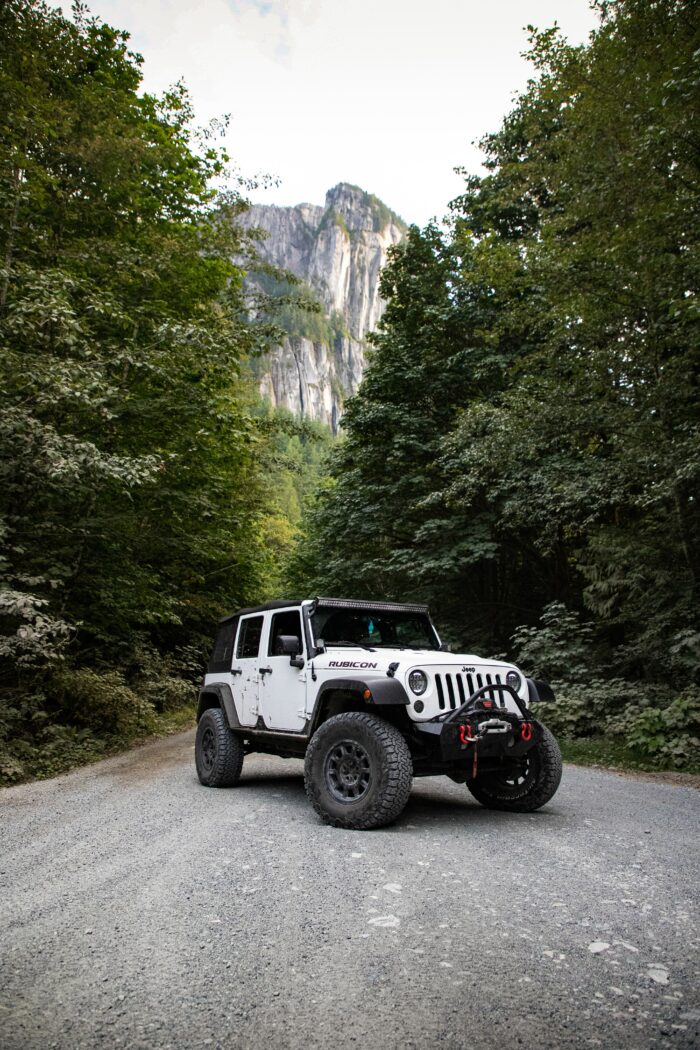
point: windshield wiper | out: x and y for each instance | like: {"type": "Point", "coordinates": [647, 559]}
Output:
{"type": "Point", "coordinates": [355, 645]}
{"type": "Point", "coordinates": [409, 648]}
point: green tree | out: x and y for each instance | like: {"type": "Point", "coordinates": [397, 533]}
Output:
{"type": "Point", "coordinates": [132, 507]}
{"type": "Point", "coordinates": [535, 437]}
{"type": "Point", "coordinates": [594, 452]}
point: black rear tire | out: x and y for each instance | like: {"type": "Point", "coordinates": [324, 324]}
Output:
{"type": "Point", "coordinates": [218, 752]}
{"type": "Point", "coordinates": [358, 771]}
{"type": "Point", "coordinates": [531, 788]}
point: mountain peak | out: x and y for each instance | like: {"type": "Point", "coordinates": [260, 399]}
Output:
{"type": "Point", "coordinates": [361, 210]}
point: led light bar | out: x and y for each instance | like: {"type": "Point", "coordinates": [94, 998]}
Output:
{"type": "Point", "coordinates": [351, 603]}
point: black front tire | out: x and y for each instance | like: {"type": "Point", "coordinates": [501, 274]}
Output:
{"type": "Point", "coordinates": [531, 788]}
{"type": "Point", "coordinates": [218, 752]}
{"type": "Point", "coordinates": [358, 771]}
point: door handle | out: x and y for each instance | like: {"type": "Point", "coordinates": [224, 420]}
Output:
{"type": "Point", "coordinates": [265, 670]}
{"type": "Point", "coordinates": [236, 670]}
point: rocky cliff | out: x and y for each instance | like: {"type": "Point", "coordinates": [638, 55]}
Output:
{"type": "Point", "coordinates": [337, 252]}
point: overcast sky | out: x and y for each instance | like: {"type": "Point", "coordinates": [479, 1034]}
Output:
{"type": "Point", "coordinates": [387, 94]}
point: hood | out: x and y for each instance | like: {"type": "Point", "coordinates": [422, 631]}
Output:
{"type": "Point", "coordinates": [450, 677]}
{"type": "Point", "coordinates": [359, 657]}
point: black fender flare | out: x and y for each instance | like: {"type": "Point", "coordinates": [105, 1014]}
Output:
{"type": "Point", "coordinates": [221, 693]}
{"type": "Point", "coordinates": [382, 690]}
{"type": "Point", "coordinates": [539, 692]}
{"type": "Point", "coordinates": [385, 692]}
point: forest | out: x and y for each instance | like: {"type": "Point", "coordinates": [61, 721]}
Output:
{"type": "Point", "coordinates": [523, 453]}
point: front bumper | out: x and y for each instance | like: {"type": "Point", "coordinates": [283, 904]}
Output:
{"type": "Point", "coordinates": [483, 726]}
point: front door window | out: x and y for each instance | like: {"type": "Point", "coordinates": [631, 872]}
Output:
{"type": "Point", "coordinates": [285, 623]}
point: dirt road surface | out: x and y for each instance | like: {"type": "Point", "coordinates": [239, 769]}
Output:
{"type": "Point", "coordinates": [139, 909]}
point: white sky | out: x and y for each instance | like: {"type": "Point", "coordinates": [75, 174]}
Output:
{"type": "Point", "coordinates": [387, 94]}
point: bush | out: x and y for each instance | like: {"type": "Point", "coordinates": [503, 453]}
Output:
{"type": "Point", "coordinates": [651, 722]}
{"type": "Point", "coordinates": [560, 648]}
{"type": "Point", "coordinates": [168, 682]}
{"type": "Point", "coordinates": [647, 720]}
{"type": "Point", "coordinates": [669, 734]}
{"type": "Point", "coordinates": [102, 702]}
{"type": "Point", "coordinates": [67, 716]}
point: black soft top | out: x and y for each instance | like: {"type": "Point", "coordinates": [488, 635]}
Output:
{"type": "Point", "coordinates": [293, 603]}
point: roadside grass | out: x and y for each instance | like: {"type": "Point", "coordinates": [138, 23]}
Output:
{"type": "Point", "coordinates": [70, 750]}
{"type": "Point", "coordinates": [610, 754]}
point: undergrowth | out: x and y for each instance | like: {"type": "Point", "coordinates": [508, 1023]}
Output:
{"type": "Point", "coordinates": [67, 716]}
{"type": "Point", "coordinates": [64, 748]}
{"type": "Point", "coordinates": [610, 754]}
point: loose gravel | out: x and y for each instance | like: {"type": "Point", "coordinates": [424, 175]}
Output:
{"type": "Point", "coordinates": [142, 910]}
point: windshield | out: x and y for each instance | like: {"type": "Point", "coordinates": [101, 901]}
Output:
{"type": "Point", "coordinates": [374, 629]}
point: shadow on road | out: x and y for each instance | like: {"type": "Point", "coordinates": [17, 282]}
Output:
{"type": "Point", "coordinates": [436, 809]}
{"type": "Point", "coordinates": [263, 781]}
{"type": "Point", "coordinates": [430, 806]}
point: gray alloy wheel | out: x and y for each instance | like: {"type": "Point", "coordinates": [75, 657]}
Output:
{"type": "Point", "coordinates": [358, 771]}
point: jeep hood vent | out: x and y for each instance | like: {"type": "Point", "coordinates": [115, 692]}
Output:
{"type": "Point", "coordinates": [351, 603]}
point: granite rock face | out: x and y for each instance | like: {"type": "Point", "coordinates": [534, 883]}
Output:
{"type": "Point", "coordinates": [337, 251]}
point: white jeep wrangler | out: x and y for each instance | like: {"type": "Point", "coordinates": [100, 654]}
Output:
{"type": "Point", "coordinates": [367, 694]}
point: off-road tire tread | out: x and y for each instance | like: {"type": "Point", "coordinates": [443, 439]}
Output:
{"type": "Point", "coordinates": [229, 751]}
{"type": "Point", "coordinates": [397, 770]}
{"type": "Point", "coordinates": [539, 794]}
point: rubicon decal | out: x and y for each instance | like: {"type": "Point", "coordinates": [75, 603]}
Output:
{"type": "Point", "coordinates": [350, 663]}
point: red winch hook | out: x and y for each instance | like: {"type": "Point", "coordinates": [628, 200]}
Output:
{"type": "Point", "coordinates": [526, 731]}
{"type": "Point", "coordinates": [465, 734]}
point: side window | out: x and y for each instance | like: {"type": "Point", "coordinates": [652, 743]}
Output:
{"type": "Point", "coordinates": [223, 649]}
{"type": "Point", "coordinates": [249, 638]}
{"type": "Point", "coordinates": [285, 623]}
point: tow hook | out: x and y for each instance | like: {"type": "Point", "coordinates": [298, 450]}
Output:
{"type": "Point", "coordinates": [466, 735]}
{"type": "Point", "coordinates": [526, 731]}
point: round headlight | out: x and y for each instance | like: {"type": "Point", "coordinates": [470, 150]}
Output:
{"type": "Point", "coordinates": [418, 682]}
{"type": "Point", "coordinates": [514, 680]}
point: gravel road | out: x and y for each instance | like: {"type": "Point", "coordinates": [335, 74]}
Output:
{"type": "Point", "coordinates": [140, 909]}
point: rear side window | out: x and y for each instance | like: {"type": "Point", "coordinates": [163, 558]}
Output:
{"type": "Point", "coordinates": [284, 623]}
{"type": "Point", "coordinates": [249, 638]}
{"type": "Point", "coordinates": [222, 655]}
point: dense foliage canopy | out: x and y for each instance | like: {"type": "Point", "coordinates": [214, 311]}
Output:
{"type": "Point", "coordinates": [526, 441]}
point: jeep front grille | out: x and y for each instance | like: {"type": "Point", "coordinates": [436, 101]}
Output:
{"type": "Point", "coordinates": [453, 690]}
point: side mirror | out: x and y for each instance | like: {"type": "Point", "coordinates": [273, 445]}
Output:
{"type": "Point", "coordinates": [289, 645]}
{"type": "Point", "coordinates": [445, 647]}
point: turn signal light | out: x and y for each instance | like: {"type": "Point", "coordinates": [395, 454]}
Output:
{"type": "Point", "coordinates": [367, 694]}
